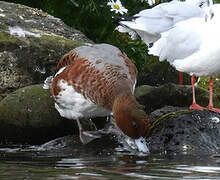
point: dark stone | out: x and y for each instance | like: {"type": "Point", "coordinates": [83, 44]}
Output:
{"type": "Point", "coordinates": [172, 95]}
{"type": "Point", "coordinates": [188, 132]}
{"type": "Point", "coordinates": [156, 73]}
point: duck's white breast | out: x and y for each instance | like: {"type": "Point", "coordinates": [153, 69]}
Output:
{"type": "Point", "coordinates": [73, 105]}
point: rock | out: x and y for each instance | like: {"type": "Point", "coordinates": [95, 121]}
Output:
{"type": "Point", "coordinates": [165, 110]}
{"type": "Point", "coordinates": [184, 131]}
{"type": "Point", "coordinates": [156, 73]}
{"type": "Point", "coordinates": [172, 95]}
{"type": "Point", "coordinates": [28, 116]}
{"type": "Point", "coordinates": [31, 44]}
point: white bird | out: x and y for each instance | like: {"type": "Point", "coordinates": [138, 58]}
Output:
{"type": "Point", "coordinates": [188, 38]}
{"type": "Point", "coordinates": [193, 46]}
{"type": "Point", "coordinates": [186, 34]}
{"type": "Point", "coordinates": [150, 24]}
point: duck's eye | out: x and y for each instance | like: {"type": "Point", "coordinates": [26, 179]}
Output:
{"type": "Point", "coordinates": [134, 124]}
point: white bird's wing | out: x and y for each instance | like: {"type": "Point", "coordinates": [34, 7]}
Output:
{"type": "Point", "coordinates": [150, 23]}
{"type": "Point", "coordinates": [183, 40]}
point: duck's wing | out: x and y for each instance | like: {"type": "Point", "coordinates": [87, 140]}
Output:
{"type": "Point", "coordinates": [150, 23]}
{"type": "Point", "coordinates": [66, 60]}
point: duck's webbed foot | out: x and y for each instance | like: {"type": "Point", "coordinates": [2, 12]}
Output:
{"type": "Point", "coordinates": [87, 136]}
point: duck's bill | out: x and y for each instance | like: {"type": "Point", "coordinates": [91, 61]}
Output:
{"type": "Point", "coordinates": [141, 145]}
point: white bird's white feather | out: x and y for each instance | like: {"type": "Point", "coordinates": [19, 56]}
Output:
{"type": "Point", "coordinates": [186, 34]}
{"type": "Point", "coordinates": [192, 46]}
{"type": "Point", "coordinates": [150, 23]}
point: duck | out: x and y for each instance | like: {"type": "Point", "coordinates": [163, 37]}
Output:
{"type": "Point", "coordinates": [150, 24]}
{"type": "Point", "coordinates": [98, 80]}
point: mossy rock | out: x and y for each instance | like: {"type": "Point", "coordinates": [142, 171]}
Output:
{"type": "Point", "coordinates": [156, 73]}
{"type": "Point", "coordinates": [172, 95]}
{"type": "Point", "coordinates": [31, 44]}
{"type": "Point", "coordinates": [30, 61]}
{"type": "Point", "coordinates": [28, 115]}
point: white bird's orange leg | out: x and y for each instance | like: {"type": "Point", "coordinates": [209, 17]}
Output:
{"type": "Point", "coordinates": [180, 78]}
{"type": "Point", "coordinates": [194, 105]}
{"type": "Point", "coordinates": [210, 106]}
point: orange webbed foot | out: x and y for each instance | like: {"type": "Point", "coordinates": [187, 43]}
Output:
{"type": "Point", "coordinates": [196, 107]}
{"type": "Point", "coordinates": [211, 108]}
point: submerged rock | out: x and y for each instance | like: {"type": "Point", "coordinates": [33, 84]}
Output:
{"type": "Point", "coordinates": [31, 44]}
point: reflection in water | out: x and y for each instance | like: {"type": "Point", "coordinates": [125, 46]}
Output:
{"type": "Point", "coordinates": [30, 163]}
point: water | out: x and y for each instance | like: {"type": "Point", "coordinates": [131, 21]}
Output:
{"type": "Point", "coordinates": [102, 163]}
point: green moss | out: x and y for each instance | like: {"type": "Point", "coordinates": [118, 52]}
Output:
{"type": "Point", "coordinates": [30, 106]}
{"type": "Point", "coordinates": [44, 43]}
{"type": "Point", "coordinates": [142, 90]}
{"type": "Point", "coordinates": [5, 37]}
{"type": "Point", "coordinates": [3, 26]}
{"type": "Point", "coordinates": [48, 41]}
{"type": "Point", "coordinates": [2, 96]}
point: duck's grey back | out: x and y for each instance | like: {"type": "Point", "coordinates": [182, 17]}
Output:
{"type": "Point", "coordinates": [101, 55]}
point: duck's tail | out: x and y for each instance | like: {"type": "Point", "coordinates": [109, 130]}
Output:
{"type": "Point", "coordinates": [47, 82]}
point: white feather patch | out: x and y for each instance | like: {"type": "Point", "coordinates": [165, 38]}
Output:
{"type": "Point", "coordinates": [73, 105]}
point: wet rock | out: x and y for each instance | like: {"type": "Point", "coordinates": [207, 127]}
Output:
{"type": "Point", "coordinates": [165, 110]}
{"type": "Point", "coordinates": [31, 44]}
{"type": "Point", "coordinates": [172, 95]}
{"type": "Point", "coordinates": [28, 115]}
{"type": "Point", "coordinates": [173, 131]}
{"type": "Point", "coordinates": [71, 142]}
{"type": "Point", "coordinates": [184, 131]}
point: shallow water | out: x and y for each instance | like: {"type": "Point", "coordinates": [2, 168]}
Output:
{"type": "Point", "coordinates": [100, 163]}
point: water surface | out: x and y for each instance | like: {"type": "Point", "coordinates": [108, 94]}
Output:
{"type": "Point", "coordinates": [101, 163]}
